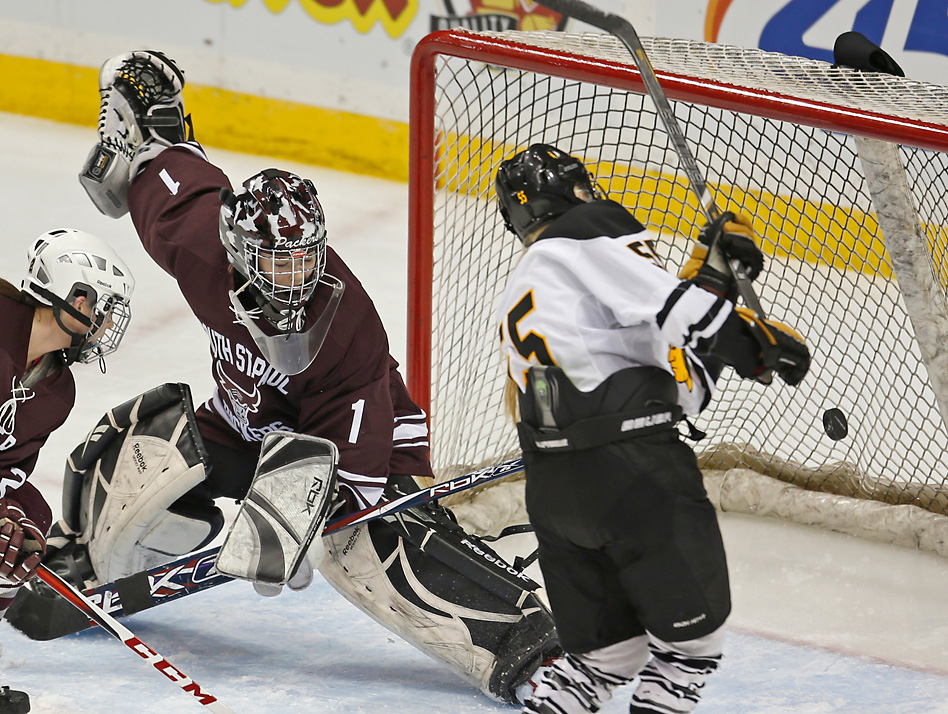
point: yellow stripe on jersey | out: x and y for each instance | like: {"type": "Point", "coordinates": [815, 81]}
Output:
{"type": "Point", "coordinates": [679, 365]}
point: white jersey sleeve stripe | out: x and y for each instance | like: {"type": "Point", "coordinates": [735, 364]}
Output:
{"type": "Point", "coordinates": [367, 489]}
{"type": "Point", "coordinates": [691, 313]}
{"type": "Point", "coordinates": [411, 444]}
{"type": "Point", "coordinates": [410, 431]}
{"type": "Point", "coordinates": [420, 414]}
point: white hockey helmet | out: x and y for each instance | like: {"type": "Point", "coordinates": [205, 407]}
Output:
{"type": "Point", "coordinates": [65, 264]}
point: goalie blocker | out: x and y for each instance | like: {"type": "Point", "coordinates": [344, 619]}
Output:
{"type": "Point", "coordinates": [283, 513]}
{"type": "Point", "coordinates": [417, 572]}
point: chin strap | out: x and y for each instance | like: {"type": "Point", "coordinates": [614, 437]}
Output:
{"type": "Point", "coordinates": [59, 305]}
{"type": "Point", "coordinates": [285, 321]}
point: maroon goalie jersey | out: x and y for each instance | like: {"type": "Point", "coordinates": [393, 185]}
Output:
{"type": "Point", "coordinates": [28, 415]}
{"type": "Point", "coordinates": [351, 394]}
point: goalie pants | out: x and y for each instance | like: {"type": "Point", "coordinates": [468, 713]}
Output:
{"type": "Point", "coordinates": [629, 542]}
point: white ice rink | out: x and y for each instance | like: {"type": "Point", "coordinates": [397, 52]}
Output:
{"type": "Point", "coordinates": [822, 623]}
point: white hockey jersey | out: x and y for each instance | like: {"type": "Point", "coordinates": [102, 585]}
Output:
{"type": "Point", "coordinates": [597, 302]}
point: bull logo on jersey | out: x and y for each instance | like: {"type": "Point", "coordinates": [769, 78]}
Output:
{"type": "Point", "coordinates": [20, 394]}
{"type": "Point", "coordinates": [239, 404]}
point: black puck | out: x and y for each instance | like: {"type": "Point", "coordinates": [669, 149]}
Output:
{"type": "Point", "coordinates": [834, 424]}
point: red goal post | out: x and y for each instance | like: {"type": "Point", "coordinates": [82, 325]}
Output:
{"type": "Point", "coordinates": [843, 172]}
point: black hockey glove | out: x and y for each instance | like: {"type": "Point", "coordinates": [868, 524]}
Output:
{"type": "Point", "coordinates": [782, 349]}
{"type": "Point", "coordinates": [734, 237]}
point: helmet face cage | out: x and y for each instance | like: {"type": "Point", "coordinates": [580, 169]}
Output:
{"type": "Point", "coordinates": [111, 315]}
{"type": "Point", "coordinates": [66, 264]}
{"type": "Point", "coordinates": [274, 232]}
{"type": "Point", "coordinates": [539, 184]}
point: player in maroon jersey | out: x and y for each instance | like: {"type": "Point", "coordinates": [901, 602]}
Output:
{"type": "Point", "coordinates": [72, 307]}
{"type": "Point", "coordinates": [298, 346]}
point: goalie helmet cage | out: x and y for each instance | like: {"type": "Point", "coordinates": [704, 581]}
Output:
{"type": "Point", "coordinates": [843, 173]}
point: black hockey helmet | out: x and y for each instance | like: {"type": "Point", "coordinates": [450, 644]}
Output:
{"type": "Point", "coordinates": [538, 185]}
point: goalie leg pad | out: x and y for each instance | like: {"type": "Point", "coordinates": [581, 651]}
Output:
{"type": "Point", "coordinates": [149, 475]}
{"type": "Point", "coordinates": [493, 632]}
{"type": "Point", "coordinates": [182, 529]}
{"type": "Point", "coordinates": [123, 486]}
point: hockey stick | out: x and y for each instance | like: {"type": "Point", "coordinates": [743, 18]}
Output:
{"type": "Point", "coordinates": [41, 618]}
{"type": "Point", "coordinates": [84, 605]}
{"type": "Point", "coordinates": [625, 32]}
{"type": "Point", "coordinates": [432, 493]}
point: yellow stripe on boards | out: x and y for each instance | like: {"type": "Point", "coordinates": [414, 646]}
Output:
{"type": "Point", "coordinates": [230, 120]}
{"type": "Point", "coordinates": [844, 238]}
{"type": "Point", "coordinates": [821, 233]}
{"type": "Point", "coordinates": [310, 135]}
{"type": "Point", "coordinates": [816, 233]}
{"type": "Point", "coordinates": [49, 90]}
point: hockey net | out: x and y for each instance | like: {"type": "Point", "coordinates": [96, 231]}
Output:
{"type": "Point", "coordinates": [844, 175]}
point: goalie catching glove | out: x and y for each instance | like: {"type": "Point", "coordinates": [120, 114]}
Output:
{"type": "Point", "coordinates": [733, 236]}
{"type": "Point", "coordinates": [782, 349]}
{"type": "Point", "coordinates": [141, 113]}
{"type": "Point", "coordinates": [22, 546]}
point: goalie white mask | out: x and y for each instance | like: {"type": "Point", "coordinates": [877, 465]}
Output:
{"type": "Point", "coordinates": [66, 264]}
{"type": "Point", "coordinates": [274, 232]}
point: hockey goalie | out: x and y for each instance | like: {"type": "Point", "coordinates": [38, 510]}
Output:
{"type": "Point", "coordinates": [305, 392]}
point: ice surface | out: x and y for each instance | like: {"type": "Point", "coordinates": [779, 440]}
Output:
{"type": "Point", "coordinates": [822, 622]}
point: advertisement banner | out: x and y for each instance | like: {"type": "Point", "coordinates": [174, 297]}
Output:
{"type": "Point", "coordinates": [913, 32]}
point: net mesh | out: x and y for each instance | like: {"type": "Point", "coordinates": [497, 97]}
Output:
{"type": "Point", "coordinates": [828, 273]}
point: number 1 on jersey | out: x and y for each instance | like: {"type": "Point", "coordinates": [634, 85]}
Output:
{"type": "Point", "coordinates": [358, 408]}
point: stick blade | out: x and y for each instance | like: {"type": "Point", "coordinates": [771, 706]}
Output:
{"type": "Point", "coordinates": [41, 617]}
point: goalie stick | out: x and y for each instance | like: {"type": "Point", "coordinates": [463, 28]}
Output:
{"type": "Point", "coordinates": [89, 610]}
{"type": "Point", "coordinates": [625, 32]}
{"type": "Point", "coordinates": [43, 618]}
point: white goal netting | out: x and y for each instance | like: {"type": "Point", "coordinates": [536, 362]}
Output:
{"type": "Point", "coordinates": [775, 138]}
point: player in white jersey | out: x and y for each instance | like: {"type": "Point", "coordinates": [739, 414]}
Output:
{"type": "Point", "coordinates": [608, 352]}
